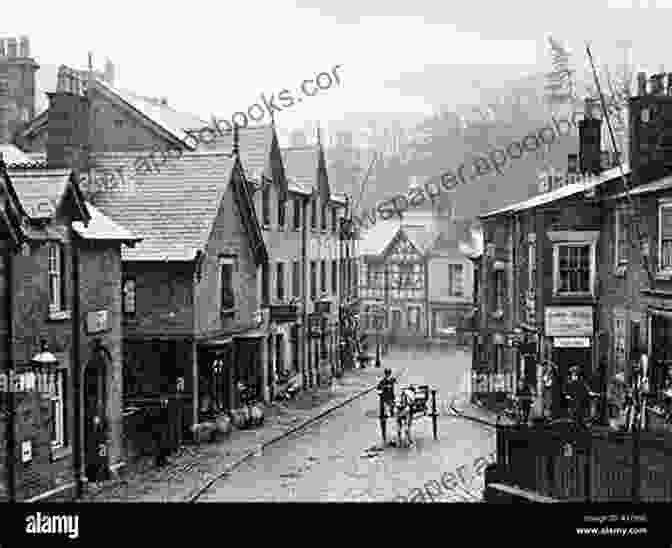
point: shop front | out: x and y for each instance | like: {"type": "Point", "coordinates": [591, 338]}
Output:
{"type": "Point", "coordinates": [493, 373]}
{"type": "Point", "coordinates": [660, 366]}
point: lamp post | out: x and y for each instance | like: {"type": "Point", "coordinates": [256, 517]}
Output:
{"type": "Point", "coordinates": [45, 362]}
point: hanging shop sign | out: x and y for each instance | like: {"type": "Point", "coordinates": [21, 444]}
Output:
{"type": "Point", "coordinates": [97, 322]}
{"type": "Point", "coordinates": [571, 342]}
{"type": "Point", "coordinates": [569, 321]}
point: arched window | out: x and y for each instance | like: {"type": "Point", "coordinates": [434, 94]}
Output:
{"type": "Point", "coordinates": [129, 296]}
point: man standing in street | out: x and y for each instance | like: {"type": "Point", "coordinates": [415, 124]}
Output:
{"type": "Point", "coordinates": [386, 392]}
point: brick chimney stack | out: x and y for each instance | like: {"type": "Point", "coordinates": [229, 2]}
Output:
{"type": "Point", "coordinates": [68, 125]}
{"type": "Point", "coordinates": [17, 86]}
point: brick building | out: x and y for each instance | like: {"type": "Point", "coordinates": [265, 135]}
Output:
{"type": "Point", "coordinates": [565, 278]}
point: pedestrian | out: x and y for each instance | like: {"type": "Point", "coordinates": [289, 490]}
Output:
{"type": "Point", "coordinates": [160, 431]}
{"type": "Point", "coordinates": [386, 392]}
{"type": "Point", "coordinates": [525, 396]}
{"type": "Point", "coordinates": [579, 394]}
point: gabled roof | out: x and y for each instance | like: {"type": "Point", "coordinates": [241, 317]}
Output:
{"type": "Point", "coordinates": [422, 238]}
{"type": "Point", "coordinates": [301, 166]}
{"type": "Point", "coordinates": [172, 211]}
{"type": "Point", "coordinates": [562, 192]}
{"type": "Point", "coordinates": [149, 110]}
{"type": "Point", "coordinates": [254, 144]}
{"type": "Point", "coordinates": [43, 191]}
{"type": "Point", "coordinates": [376, 239]}
{"type": "Point", "coordinates": [101, 227]}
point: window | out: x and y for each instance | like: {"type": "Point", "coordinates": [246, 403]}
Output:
{"type": "Point", "coordinates": [665, 241]}
{"type": "Point", "coordinates": [621, 237]}
{"type": "Point", "coordinates": [334, 277]}
{"type": "Point", "coordinates": [414, 318]}
{"type": "Point", "coordinates": [324, 217]}
{"type": "Point", "coordinates": [313, 214]}
{"type": "Point", "coordinates": [313, 280]}
{"type": "Point", "coordinates": [57, 298]}
{"type": "Point", "coordinates": [573, 272]}
{"type": "Point", "coordinates": [58, 415]}
{"type": "Point", "coordinates": [323, 276]}
{"type": "Point", "coordinates": [455, 280]}
{"type": "Point", "coordinates": [227, 297]}
{"type": "Point", "coordinates": [296, 279]}
{"type": "Point", "coordinates": [297, 214]}
{"type": "Point", "coordinates": [280, 281]}
{"type": "Point", "coordinates": [118, 124]}
{"type": "Point", "coordinates": [265, 285]}
{"type": "Point", "coordinates": [129, 296]}
{"type": "Point", "coordinates": [500, 290]}
{"type": "Point", "coordinates": [334, 220]}
{"type": "Point", "coordinates": [282, 208]}
{"type": "Point", "coordinates": [294, 342]}
{"type": "Point", "coordinates": [532, 264]}
{"type": "Point", "coordinates": [266, 206]}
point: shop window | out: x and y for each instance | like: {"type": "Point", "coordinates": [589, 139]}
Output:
{"type": "Point", "coordinates": [58, 414]}
{"type": "Point", "coordinates": [621, 243]}
{"type": "Point", "coordinates": [128, 300]}
{"type": "Point", "coordinates": [57, 284]}
{"type": "Point", "coordinates": [455, 280]}
{"type": "Point", "coordinates": [573, 271]}
{"type": "Point", "coordinates": [665, 238]}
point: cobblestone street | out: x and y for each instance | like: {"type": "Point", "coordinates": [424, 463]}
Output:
{"type": "Point", "coordinates": [338, 459]}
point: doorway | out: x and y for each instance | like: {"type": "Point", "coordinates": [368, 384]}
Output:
{"type": "Point", "coordinates": [95, 416]}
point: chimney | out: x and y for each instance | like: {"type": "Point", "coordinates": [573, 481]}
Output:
{"type": "Point", "coordinates": [109, 72]}
{"type": "Point", "coordinates": [24, 47]}
{"type": "Point", "coordinates": [5, 108]}
{"type": "Point", "coordinates": [12, 48]}
{"type": "Point", "coordinates": [641, 84]}
{"type": "Point", "coordinates": [68, 125]}
{"type": "Point", "coordinates": [590, 140]}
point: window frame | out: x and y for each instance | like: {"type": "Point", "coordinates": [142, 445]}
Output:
{"type": "Point", "coordinates": [227, 261]}
{"type": "Point", "coordinates": [282, 214]}
{"type": "Point", "coordinates": [334, 277]}
{"type": "Point", "coordinates": [58, 403]}
{"type": "Point", "coordinates": [452, 267]}
{"type": "Point", "coordinates": [619, 225]}
{"type": "Point", "coordinates": [128, 311]}
{"type": "Point", "coordinates": [323, 276]}
{"type": "Point", "coordinates": [57, 295]}
{"type": "Point", "coordinates": [296, 279]}
{"type": "Point", "coordinates": [280, 293]}
{"type": "Point", "coordinates": [591, 265]}
{"type": "Point", "coordinates": [265, 283]}
{"type": "Point", "coordinates": [266, 206]}
{"type": "Point", "coordinates": [662, 204]}
{"type": "Point", "coordinates": [334, 220]}
{"type": "Point", "coordinates": [313, 280]}
{"type": "Point", "coordinates": [296, 218]}
{"type": "Point", "coordinates": [313, 214]}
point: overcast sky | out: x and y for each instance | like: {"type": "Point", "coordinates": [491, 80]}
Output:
{"type": "Point", "coordinates": [217, 57]}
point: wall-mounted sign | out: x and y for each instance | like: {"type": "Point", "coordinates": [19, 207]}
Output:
{"type": "Point", "coordinates": [96, 322]}
{"type": "Point", "coordinates": [569, 321]}
{"type": "Point", "coordinates": [26, 451]}
{"type": "Point", "coordinates": [571, 342]}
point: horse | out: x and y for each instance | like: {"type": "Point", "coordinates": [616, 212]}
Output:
{"type": "Point", "coordinates": [403, 411]}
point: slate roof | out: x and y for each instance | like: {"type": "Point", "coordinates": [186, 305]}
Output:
{"type": "Point", "coordinates": [301, 165]}
{"type": "Point", "coordinates": [172, 211]}
{"type": "Point", "coordinates": [13, 155]}
{"type": "Point", "coordinates": [40, 191]}
{"type": "Point", "coordinates": [562, 192]}
{"type": "Point", "coordinates": [101, 227]}
{"type": "Point", "coordinates": [254, 145]}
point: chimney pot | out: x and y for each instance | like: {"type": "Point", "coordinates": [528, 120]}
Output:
{"type": "Point", "coordinates": [24, 47]}
{"type": "Point", "coordinates": [11, 47]}
{"type": "Point", "coordinates": [641, 84]}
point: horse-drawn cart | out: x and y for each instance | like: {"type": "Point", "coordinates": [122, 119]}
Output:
{"type": "Point", "coordinates": [412, 402]}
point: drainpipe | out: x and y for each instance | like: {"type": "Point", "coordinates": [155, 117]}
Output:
{"type": "Point", "coordinates": [77, 372]}
{"type": "Point", "coordinates": [11, 420]}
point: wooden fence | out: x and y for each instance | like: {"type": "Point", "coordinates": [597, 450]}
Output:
{"type": "Point", "coordinates": [587, 466]}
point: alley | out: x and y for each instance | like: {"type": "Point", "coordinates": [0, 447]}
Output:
{"type": "Point", "coordinates": [333, 460]}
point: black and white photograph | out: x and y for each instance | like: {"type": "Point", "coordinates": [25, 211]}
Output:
{"type": "Point", "coordinates": [303, 251]}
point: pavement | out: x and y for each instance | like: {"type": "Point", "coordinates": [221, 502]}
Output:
{"type": "Point", "coordinates": [194, 468]}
